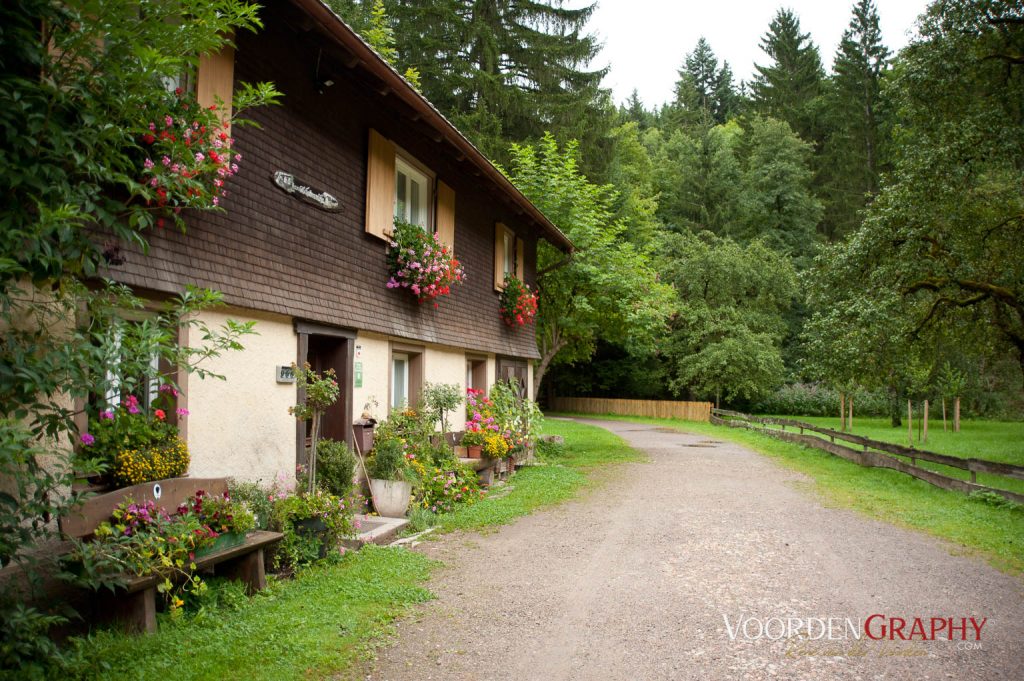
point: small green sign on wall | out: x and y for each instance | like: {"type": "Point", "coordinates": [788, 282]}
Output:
{"type": "Point", "coordinates": [359, 374]}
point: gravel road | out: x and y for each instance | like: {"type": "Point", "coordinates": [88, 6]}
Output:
{"type": "Point", "coordinates": [648, 577]}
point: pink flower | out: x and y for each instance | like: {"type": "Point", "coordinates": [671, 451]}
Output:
{"type": "Point", "coordinates": [216, 201]}
{"type": "Point", "coordinates": [168, 121]}
{"type": "Point", "coordinates": [199, 157]}
{"type": "Point", "coordinates": [148, 163]}
{"type": "Point", "coordinates": [108, 414]}
{"type": "Point", "coordinates": [181, 411]}
{"type": "Point", "coordinates": [87, 439]}
{"type": "Point", "coordinates": [166, 160]}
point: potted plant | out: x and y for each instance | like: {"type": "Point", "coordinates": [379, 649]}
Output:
{"type": "Point", "coordinates": [229, 521]}
{"type": "Point", "coordinates": [312, 525]}
{"type": "Point", "coordinates": [321, 392]}
{"type": "Point", "coordinates": [389, 478]}
{"type": "Point", "coordinates": [473, 441]}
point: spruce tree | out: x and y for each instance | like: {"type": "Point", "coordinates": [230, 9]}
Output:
{"type": "Point", "coordinates": [727, 99]}
{"type": "Point", "coordinates": [632, 110]}
{"type": "Point", "coordinates": [507, 70]}
{"type": "Point", "coordinates": [704, 92]}
{"type": "Point", "coordinates": [857, 125]}
{"type": "Point", "coordinates": [788, 87]}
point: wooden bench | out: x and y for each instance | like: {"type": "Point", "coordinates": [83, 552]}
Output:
{"type": "Point", "coordinates": [134, 605]}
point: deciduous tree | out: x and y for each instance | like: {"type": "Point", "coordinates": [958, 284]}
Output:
{"type": "Point", "coordinates": [608, 289]}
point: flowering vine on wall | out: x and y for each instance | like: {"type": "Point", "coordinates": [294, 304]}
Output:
{"type": "Point", "coordinates": [188, 156]}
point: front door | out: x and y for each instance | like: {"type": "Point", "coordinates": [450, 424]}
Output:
{"type": "Point", "coordinates": [516, 370]}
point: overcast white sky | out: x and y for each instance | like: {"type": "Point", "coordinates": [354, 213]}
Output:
{"type": "Point", "coordinates": [645, 41]}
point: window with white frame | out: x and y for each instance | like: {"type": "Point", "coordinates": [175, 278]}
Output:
{"type": "Point", "coordinates": [412, 194]}
{"type": "Point", "coordinates": [508, 255]}
{"type": "Point", "coordinates": [399, 380]}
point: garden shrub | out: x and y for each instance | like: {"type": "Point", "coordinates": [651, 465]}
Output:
{"type": "Point", "coordinates": [335, 467]}
{"type": "Point", "coordinates": [813, 399]}
{"type": "Point", "coordinates": [389, 460]}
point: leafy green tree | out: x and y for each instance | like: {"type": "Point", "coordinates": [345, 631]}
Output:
{"type": "Point", "coordinates": [945, 233]}
{"type": "Point", "coordinates": [371, 21]}
{"type": "Point", "coordinates": [633, 110]}
{"type": "Point", "coordinates": [726, 337]}
{"type": "Point", "coordinates": [608, 289]}
{"type": "Point", "coordinates": [81, 83]}
{"type": "Point", "coordinates": [631, 171]}
{"type": "Point", "coordinates": [780, 207]}
{"type": "Point", "coordinates": [789, 86]}
{"type": "Point", "coordinates": [728, 99]}
{"type": "Point", "coordinates": [704, 92]}
{"type": "Point", "coordinates": [700, 179]}
{"type": "Point", "coordinates": [857, 122]}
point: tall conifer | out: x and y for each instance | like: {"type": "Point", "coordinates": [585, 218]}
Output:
{"type": "Point", "coordinates": [857, 126]}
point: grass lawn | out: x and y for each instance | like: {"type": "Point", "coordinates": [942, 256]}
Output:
{"type": "Point", "coordinates": [994, 532]}
{"type": "Point", "coordinates": [559, 479]}
{"type": "Point", "coordinates": [999, 441]}
{"type": "Point", "coordinates": [332, 614]}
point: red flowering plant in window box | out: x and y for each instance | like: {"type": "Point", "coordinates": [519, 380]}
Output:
{"type": "Point", "coordinates": [187, 156]}
{"type": "Point", "coordinates": [417, 261]}
{"type": "Point", "coordinates": [518, 302]}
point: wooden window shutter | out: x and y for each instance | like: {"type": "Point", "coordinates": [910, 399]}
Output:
{"type": "Point", "coordinates": [215, 78]}
{"type": "Point", "coordinates": [380, 186]}
{"type": "Point", "coordinates": [445, 214]}
{"type": "Point", "coordinates": [519, 259]}
{"type": "Point", "coordinates": [499, 255]}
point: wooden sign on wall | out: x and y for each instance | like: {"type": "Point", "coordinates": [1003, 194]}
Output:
{"type": "Point", "coordinates": [318, 198]}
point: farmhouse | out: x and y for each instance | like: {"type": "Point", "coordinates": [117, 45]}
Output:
{"type": "Point", "coordinates": [301, 248]}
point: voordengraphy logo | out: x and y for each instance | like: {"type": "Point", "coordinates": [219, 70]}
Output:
{"type": "Point", "coordinates": [876, 627]}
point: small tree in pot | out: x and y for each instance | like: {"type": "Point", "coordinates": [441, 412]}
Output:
{"type": "Point", "coordinates": [321, 393]}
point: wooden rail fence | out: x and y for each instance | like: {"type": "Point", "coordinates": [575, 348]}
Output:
{"type": "Point", "coordinates": [877, 459]}
{"type": "Point", "coordinates": [658, 409]}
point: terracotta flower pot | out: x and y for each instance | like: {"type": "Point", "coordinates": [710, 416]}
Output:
{"type": "Point", "coordinates": [475, 451]}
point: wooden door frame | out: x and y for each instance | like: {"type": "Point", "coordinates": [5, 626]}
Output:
{"type": "Point", "coordinates": [303, 330]}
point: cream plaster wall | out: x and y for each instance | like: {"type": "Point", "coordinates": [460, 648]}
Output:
{"type": "Point", "coordinates": [447, 365]}
{"type": "Point", "coordinates": [240, 427]}
{"type": "Point", "coordinates": [492, 369]}
{"type": "Point", "coordinates": [374, 352]}
{"type": "Point", "coordinates": [529, 378]}
{"type": "Point", "coordinates": [441, 364]}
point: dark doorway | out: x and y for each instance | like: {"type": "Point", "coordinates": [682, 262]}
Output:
{"type": "Point", "coordinates": [326, 352]}
{"type": "Point", "coordinates": [325, 347]}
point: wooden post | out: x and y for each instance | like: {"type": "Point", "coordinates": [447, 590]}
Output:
{"type": "Point", "coordinates": [842, 412]}
{"type": "Point", "coordinates": [943, 414]}
{"type": "Point", "coordinates": [925, 437]}
{"type": "Point", "coordinates": [910, 426]}
{"type": "Point", "coordinates": [956, 414]}
{"type": "Point", "coordinates": [850, 422]}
